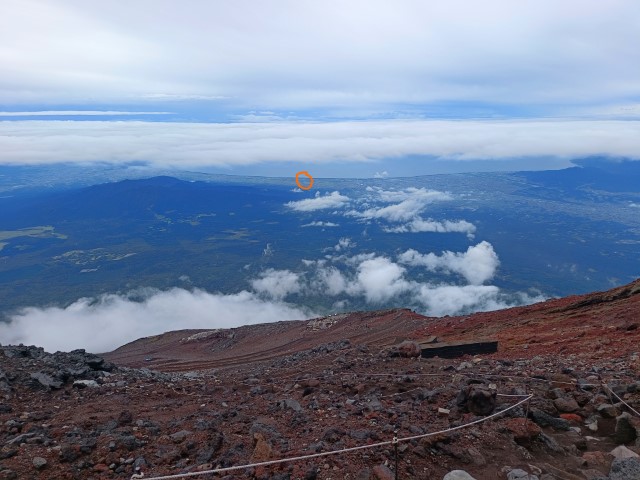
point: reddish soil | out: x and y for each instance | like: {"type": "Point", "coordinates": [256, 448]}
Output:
{"type": "Point", "coordinates": [595, 325]}
{"type": "Point", "coordinates": [215, 399]}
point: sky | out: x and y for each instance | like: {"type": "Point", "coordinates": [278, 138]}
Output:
{"type": "Point", "coordinates": [362, 88]}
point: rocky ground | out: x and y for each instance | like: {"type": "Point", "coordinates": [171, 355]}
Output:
{"type": "Point", "coordinates": [333, 383]}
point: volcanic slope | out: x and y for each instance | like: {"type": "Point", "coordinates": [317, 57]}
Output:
{"type": "Point", "coordinates": [583, 325]}
{"type": "Point", "coordinates": [229, 399]}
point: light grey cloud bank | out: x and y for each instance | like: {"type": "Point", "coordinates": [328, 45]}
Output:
{"type": "Point", "coordinates": [304, 53]}
{"type": "Point", "coordinates": [102, 324]}
{"type": "Point", "coordinates": [200, 145]}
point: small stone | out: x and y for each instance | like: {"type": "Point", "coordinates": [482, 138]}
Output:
{"type": "Point", "coordinates": [290, 404]}
{"type": "Point", "coordinates": [519, 474]}
{"type": "Point", "coordinates": [180, 436]}
{"type": "Point", "coordinates": [607, 411]}
{"type": "Point", "coordinates": [625, 469]}
{"type": "Point", "coordinates": [382, 472]}
{"type": "Point", "coordinates": [476, 456]}
{"type": "Point", "coordinates": [566, 404]}
{"type": "Point", "coordinates": [551, 443]}
{"type": "Point", "coordinates": [39, 463]}
{"type": "Point", "coordinates": [85, 384]}
{"type": "Point", "coordinates": [523, 430]}
{"type": "Point", "coordinates": [46, 381]}
{"type": "Point", "coordinates": [624, 452]}
{"type": "Point", "coordinates": [463, 366]}
{"type": "Point", "coordinates": [408, 349]}
{"type": "Point", "coordinates": [443, 411]}
{"type": "Point", "coordinates": [556, 393]}
{"type": "Point", "coordinates": [7, 474]}
{"type": "Point", "coordinates": [458, 475]}
{"type": "Point", "coordinates": [625, 429]}
{"type": "Point", "coordinates": [571, 417]}
{"type": "Point", "coordinates": [593, 474]}
{"type": "Point", "coordinates": [545, 420]}
{"type": "Point", "coordinates": [596, 459]}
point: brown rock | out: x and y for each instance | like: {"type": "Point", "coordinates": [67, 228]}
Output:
{"type": "Point", "coordinates": [566, 404]}
{"type": "Point", "coordinates": [262, 450]}
{"type": "Point", "coordinates": [382, 472]}
{"type": "Point", "coordinates": [597, 459]}
{"type": "Point", "coordinates": [523, 430]}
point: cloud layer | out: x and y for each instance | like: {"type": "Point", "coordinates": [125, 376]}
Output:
{"type": "Point", "coordinates": [201, 145]}
{"type": "Point", "coordinates": [102, 324]}
{"type": "Point", "coordinates": [378, 280]}
{"type": "Point", "coordinates": [319, 202]}
{"type": "Point", "coordinates": [109, 321]}
{"type": "Point", "coordinates": [478, 264]}
{"type": "Point", "coordinates": [398, 211]}
{"type": "Point", "coordinates": [305, 54]}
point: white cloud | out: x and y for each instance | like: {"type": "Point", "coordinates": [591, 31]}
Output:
{"type": "Point", "coordinates": [412, 201]}
{"type": "Point", "coordinates": [180, 97]}
{"type": "Point", "coordinates": [398, 212]}
{"type": "Point", "coordinates": [69, 113]}
{"type": "Point", "coordinates": [383, 174]}
{"type": "Point", "coordinates": [451, 299]}
{"type": "Point", "coordinates": [380, 279]}
{"type": "Point", "coordinates": [218, 145]}
{"type": "Point", "coordinates": [478, 264]}
{"type": "Point", "coordinates": [422, 195]}
{"type": "Point", "coordinates": [277, 284]}
{"type": "Point", "coordinates": [344, 244]}
{"type": "Point", "coordinates": [321, 224]}
{"type": "Point", "coordinates": [331, 280]}
{"type": "Point", "coordinates": [634, 205]}
{"type": "Point", "coordinates": [377, 279]}
{"type": "Point", "coordinates": [319, 202]}
{"type": "Point", "coordinates": [420, 225]}
{"type": "Point", "coordinates": [103, 324]}
{"type": "Point", "coordinates": [301, 53]}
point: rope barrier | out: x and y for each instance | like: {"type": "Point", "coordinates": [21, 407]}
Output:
{"type": "Point", "coordinates": [333, 452]}
{"type": "Point", "coordinates": [615, 395]}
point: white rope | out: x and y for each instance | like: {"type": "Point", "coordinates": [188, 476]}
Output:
{"type": "Point", "coordinates": [615, 395]}
{"type": "Point", "coordinates": [335, 452]}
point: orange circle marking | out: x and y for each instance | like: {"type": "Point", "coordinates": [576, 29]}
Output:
{"type": "Point", "coordinates": [306, 174]}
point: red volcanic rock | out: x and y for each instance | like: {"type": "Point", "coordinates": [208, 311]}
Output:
{"type": "Point", "coordinates": [571, 417]}
{"type": "Point", "coordinates": [523, 430]}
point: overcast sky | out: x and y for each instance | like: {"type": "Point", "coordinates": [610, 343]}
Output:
{"type": "Point", "coordinates": [534, 83]}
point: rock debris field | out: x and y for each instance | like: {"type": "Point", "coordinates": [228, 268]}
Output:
{"type": "Point", "coordinates": [80, 416]}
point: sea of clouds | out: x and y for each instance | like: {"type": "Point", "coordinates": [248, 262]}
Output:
{"type": "Point", "coordinates": [433, 283]}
